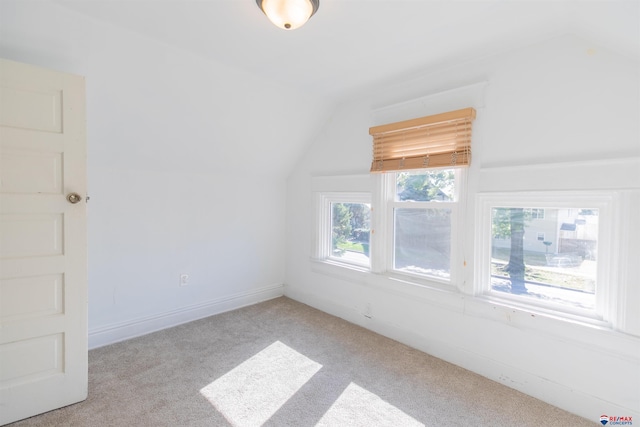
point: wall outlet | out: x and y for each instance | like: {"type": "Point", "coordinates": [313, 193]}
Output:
{"type": "Point", "coordinates": [184, 279]}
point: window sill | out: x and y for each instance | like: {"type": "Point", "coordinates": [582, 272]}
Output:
{"type": "Point", "coordinates": [443, 295]}
{"type": "Point", "coordinates": [580, 330]}
{"type": "Point", "coordinates": [422, 281]}
{"type": "Point", "coordinates": [582, 317]}
{"type": "Point", "coordinates": [337, 269]}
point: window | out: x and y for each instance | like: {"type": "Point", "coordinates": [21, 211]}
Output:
{"type": "Point", "coordinates": [556, 269]}
{"type": "Point", "coordinates": [420, 220]}
{"type": "Point", "coordinates": [421, 162]}
{"type": "Point", "coordinates": [535, 213]}
{"type": "Point", "coordinates": [415, 225]}
{"type": "Point", "coordinates": [418, 163]}
{"type": "Point", "coordinates": [344, 227]}
{"type": "Point", "coordinates": [350, 232]}
{"type": "Point", "coordinates": [417, 167]}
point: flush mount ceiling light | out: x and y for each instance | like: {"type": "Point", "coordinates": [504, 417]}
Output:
{"type": "Point", "coordinates": [288, 14]}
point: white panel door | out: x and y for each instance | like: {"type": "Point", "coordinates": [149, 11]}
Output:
{"type": "Point", "coordinates": [43, 262]}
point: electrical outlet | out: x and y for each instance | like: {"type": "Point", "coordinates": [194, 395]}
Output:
{"type": "Point", "coordinates": [184, 279]}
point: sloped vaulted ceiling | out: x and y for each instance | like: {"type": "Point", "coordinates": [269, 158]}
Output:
{"type": "Point", "coordinates": [239, 84]}
{"type": "Point", "coordinates": [351, 44]}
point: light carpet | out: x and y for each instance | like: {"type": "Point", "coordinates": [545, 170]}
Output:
{"type": "Point", "coordinates": [282, 363]}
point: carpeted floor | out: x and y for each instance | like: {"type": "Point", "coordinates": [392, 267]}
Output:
{"type": "Point", "coordinates": [282, 363]}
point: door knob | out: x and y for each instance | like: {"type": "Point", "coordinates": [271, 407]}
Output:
{"type": "Point", "coordinates": [74, 198]}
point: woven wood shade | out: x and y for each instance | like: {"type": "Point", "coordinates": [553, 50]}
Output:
{"type": "Point", "coordinates": [434, 141]}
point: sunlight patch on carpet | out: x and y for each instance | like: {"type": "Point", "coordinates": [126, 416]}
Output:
{"type": "Point", "coordinates": [357, 406]}
{"type": "Point", "coordinates": [253, 391]}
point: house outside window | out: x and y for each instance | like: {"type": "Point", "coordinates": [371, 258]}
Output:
{"type": "Point", "coordinates": [535, 213]}
{"type": "Point", "coordinates": [556, 269]}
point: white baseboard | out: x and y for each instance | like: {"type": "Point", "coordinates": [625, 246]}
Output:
{"type": "Point", "coordinates": [567, 398]}
{"type": "Point", "coordinates": [105, 335]}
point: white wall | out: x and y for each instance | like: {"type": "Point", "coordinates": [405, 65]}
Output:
{"type": "Point", "coordinates": [186, 170]}
{"type": "Point", "coordinates": [548, 113]}
{"type": "Point", "coordinates": [158, 119]}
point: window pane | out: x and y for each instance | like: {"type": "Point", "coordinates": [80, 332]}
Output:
{"type": "Point", "coordinates": [422, 241]}
{"type": "Point", "coordinates": [547, 254]}
{"type": "Point", "coordinates": [350, 232]}
{"type": "Point", "coordinates": [431, 186]}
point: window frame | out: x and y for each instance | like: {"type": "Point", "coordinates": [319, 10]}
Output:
{"type": "Point", "coordinates": [383, 222]}
{"type": "Point", "coordinates": [323, 246]}
{"type": "Point", "coordinates": [536, 213]}
{"type": "Point", "coordinates": [604, 312]}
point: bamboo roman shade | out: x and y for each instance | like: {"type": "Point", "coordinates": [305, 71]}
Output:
{"type": "Point", "coordinates": [428, 142]}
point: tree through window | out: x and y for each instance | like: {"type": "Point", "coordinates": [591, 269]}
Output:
{"type": "Point", "coordinates": [560, 268]}
{"type": "Point", "coordinates": [350, 228]}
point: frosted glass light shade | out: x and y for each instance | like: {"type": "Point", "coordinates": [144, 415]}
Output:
{"type": "Point", "coordinates": [288, 14]}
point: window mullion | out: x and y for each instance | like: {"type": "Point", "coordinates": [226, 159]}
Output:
{"type": "Point", "coordinates": [379, 218]}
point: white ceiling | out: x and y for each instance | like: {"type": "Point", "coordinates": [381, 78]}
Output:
{"type": "Point", "coordinates": [352, 44]}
